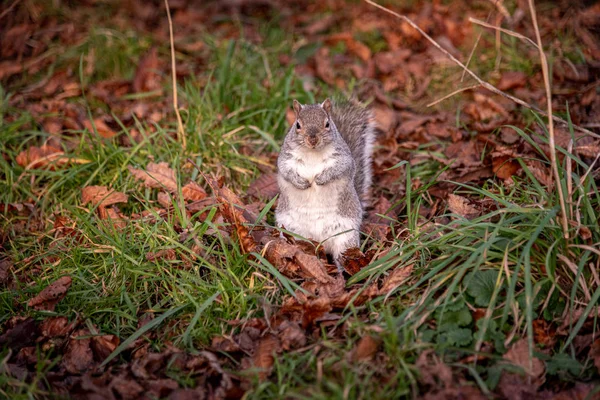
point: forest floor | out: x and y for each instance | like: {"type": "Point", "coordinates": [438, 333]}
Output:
{"type": "Point", "coordinates": [137, 264]}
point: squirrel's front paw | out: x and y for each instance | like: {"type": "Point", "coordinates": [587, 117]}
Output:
{"type": "Point", "coordinates": [320, 180]}
{"type": "Point", "coordinates": [302, 184]}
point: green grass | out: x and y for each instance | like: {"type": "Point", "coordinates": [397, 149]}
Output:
{"type": "Point", "coordinates": [504, 262]}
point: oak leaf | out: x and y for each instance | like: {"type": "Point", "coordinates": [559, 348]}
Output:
{"type": "Point", "coordinates": [101, 196]}
{"type": "Point", "coordinates": [51, 295]}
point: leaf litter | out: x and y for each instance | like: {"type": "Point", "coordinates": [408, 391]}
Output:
{"type": "Point", "coordinates": [404, 70]}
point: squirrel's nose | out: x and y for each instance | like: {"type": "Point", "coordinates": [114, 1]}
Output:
{"type": "Point", "coordinates": [312, 140]}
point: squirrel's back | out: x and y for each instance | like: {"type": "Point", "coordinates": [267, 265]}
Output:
{"type": "Point", "coordinates": [356, 125]}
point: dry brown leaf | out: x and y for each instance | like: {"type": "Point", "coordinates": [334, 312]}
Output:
{"type": "Point", "coordinates": [38, 155]}
{"type": "Point", "coordinates": [51, 295]}
{"type": "Point", "coordinates": [264, 187]}
{"type": "Point", "coordinates": [104, 345]}
{"type": "Point", "coordinates": [511, 80]}
{"type": "Point", "coordinates": [324, 67]}
{"type": "Point", "coordinates": [147, 76]}
{"type": "Point", "coordinates": [157, 175]}
{"type": "Point", "coordinates": [432, 371]}
{"type": "Point", "coordinates": [101, 128]}
{"type": "Point", "coordinates": [359, 49]}
{"type": "Point", "coordinates": [396, 278]}
{"type": "Point", "coordinates": [518, 354]}
{"type": "Point", "coordinates": [57, 326]}
{"type": "Point", "coordinates": [164, 199]}
{"type": "Point", "coordinates": [193, 192]}
{"type": "Point", "coordinates": [291, 335]}
{"type": "Point", "coordinates": [320, 25]}
{"type": "Point", "coordinates": [385, 118]}
{"type": "Point", "coordinates": [366, 348]}
{"type": "Point", "coordinates": [264, 357]}
{"type": "Point", "coordinates": [101, 196]}
{"type": "Point", "coordinates": [5, 272]}
{"type": "Point", "coordinates": [112, 217]}
{"type": "Point", "coordinates": [313, 267]}
{"type": "Point", "coordinates": [353, 260]}
{"type": "Point", "coordinates": [79, 357]}
{"type": "Point", "coordinates": [460, 205]}
{"type": "Point", "coordinates": [544, 333]}
{"type": "Point", "coordinates": [505, 166]}
{"type": "Point", "coordinates": [164, 254]}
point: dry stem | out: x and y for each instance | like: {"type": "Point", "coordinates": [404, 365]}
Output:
{"type": "Point", "coordinates": [481, 82]}
{"type": "Point", "coordinates": [180, 131]}
{"type": "Point", "coordinates": [544, 61]}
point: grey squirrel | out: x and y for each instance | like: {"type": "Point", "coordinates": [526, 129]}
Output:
{"type": "Point", "coordinates": [325, 174]}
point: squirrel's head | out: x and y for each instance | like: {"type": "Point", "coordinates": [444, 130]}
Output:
{"type": "Point", "coordinates": [314, 127]}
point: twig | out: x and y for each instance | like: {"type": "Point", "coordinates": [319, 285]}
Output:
{"type": "Point", "coordinates": [508, 32]}
{"type": "Point", "coordinates": [180, 131]}
{"type": "Point", "coordinates": [544, 61]}
{"type": "Point", "coordinates": [500, 6]}
{"type": "Point", "coordinates": [483, 83]}
{"type": "Point", "coordinates": [9, 9]}
{"type": "Point", "coordinates": [453, 93]}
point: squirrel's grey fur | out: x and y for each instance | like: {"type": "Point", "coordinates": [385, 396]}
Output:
{"type": "Point", "coordinates": [325, 174]}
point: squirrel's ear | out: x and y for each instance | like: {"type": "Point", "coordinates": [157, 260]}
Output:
{"type": "Point", "coordinates": [327, 105]}
{"type": "Point", "coordinates": [297, 107]}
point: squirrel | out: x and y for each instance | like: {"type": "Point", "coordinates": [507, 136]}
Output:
{"type": "Point", "coordinates": [324, 174]}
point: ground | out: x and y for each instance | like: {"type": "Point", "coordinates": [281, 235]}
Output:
{"type": "Point", "coordinates": [138, 254]}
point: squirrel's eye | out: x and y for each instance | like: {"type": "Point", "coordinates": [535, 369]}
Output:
{"type": "Point", "coordinates": [297, 125]}
{"type": "Point", "coordinates": [327, 124]}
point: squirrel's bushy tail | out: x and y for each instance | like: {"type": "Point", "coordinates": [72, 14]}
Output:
{"type": "Point", "coordinates": [356, 125]}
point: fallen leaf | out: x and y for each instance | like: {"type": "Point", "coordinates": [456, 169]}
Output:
{"type": "Point", "coordinates": [100, 127]}
{"type": "Point", "coordinates": [78, 357]}
{"type": "Point", "coordinates": [101, 196]}
{"type": "Point", "coordinates": [291, 335]}
{"type": "Point", "coordinates": [157, 176]}
{"type": "Point", "coordinates": [147, 76]}
{"type": "Point", "coordinates": [460, 205]}
{"type": "Point", "coordinates": [104, 345]}
{"type": "Point", "coordinates": [193, 192]}
{"type": "Point", "coordinates": [433, 372]}
{"type": "Point", "coordinates": [18, 332]}
{"type": "Point", "coordinates": [320, 25]}
{"type": "Point", "coordinates": [518, 354]}
{"type": "Point", "coordinates": [57, 326]}
{"type": "Point", "coordinates": [485, 109]}
{"type": "Point", "coordinates": [264, 187]}
{"type": "Point", "coordinates": [127, 388]}
{"type": "Point", "coordinates": [264, 357]}
{"type": "Point", "coordinates": [5, 272]}
{"type": "Point", "coordinates": [281, 254]}
{"type": "Point", "coordinates": [38, 156]}
{"type": "Point", "coordinates": [164, 199]}
{"type": "Point", "coordinates": [511, 80]}
{"type": "Point", "coordinates": [504, 166]}
{"type": "Point", "coordinates": [51, 295]}
{"type": "Point", "coordinates": [112, 217]}
{"type": "Point", "coordinates": [396, 278]}
{"type": "Point", "coordinates": [353, 260]}
{"type": "Point", "coordinates": [359, 49]}
{"type": "Point", "coordinates": [544, 333]}
{"type": "Point", "coordinates": [164, 254]}
{"type": "Point", "coordinates": [366, 348]}
{"type": "Point", "coordinates": [385, 118]}
{"type": "Point", "coordinates": [324, 69]}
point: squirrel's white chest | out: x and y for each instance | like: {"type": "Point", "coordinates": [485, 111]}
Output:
{"type": "Point", "coordinates": [309, 163]}
{"type": "Point", "coordinates": [313, 212]}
